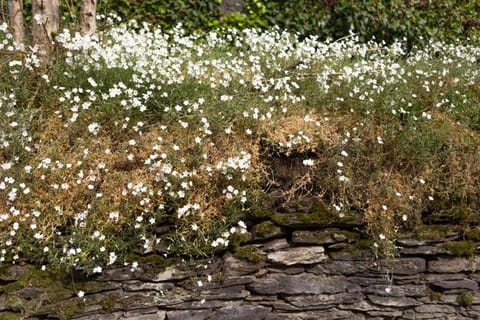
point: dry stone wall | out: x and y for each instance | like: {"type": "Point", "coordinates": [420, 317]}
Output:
{"type": "Point", "coordinates": [283, 272]}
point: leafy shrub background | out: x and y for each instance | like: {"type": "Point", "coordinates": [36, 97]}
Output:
{"type": "Point", "coordinates": [415, 20]}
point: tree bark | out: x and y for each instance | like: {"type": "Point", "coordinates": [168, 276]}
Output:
{"type": "Point", "coordinates": [45, 24]}
{"type": "Point", "coordinates": [88, 24]}
{"type": "Point", "coordinates": [15, 10]}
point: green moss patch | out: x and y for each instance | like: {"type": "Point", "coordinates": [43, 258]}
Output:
{"type": "Point", "coordinates": [460, 248]}
{"type": "Point", "coordinates": [250, 253]}
{"type": "Point", "coordinates": [465, 299]}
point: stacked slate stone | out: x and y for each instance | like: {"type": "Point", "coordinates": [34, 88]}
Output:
{"type": "Point", "coordinates": [289, 269]}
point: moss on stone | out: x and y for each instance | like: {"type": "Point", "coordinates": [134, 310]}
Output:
{"type": "Point", "coordinates": [238, 238]}
{"type": "Point", "coordinates": [465, 299]}
{"type": "Point", "coordinates": [11, 316]}
{"type": "Point", "coordinates": [108, 302]}
{"type": "Point", "coordinates": [460, 248]}
{"type": "Point", "coordinates": [319, 216]}
{"type": "Point", "coordinates": [265, 228]}
{"type": "Point", "coordinates": [157, 260]}
{"type": "Point", "coordinates": [55, 290]}
{"type": "Point", "coordinates": [434, 295]}
{"type": "Point", "coordinates": [434, 232]}
{"type": "Point", "coordinates": [473, 234]}
{"type": "Point", "coordinates": [250, 253]}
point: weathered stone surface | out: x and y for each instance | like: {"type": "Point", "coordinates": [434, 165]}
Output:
{"type": "Point", "coordinates": [422, 251]}
{"type": "Point", "coordinates": [344, 267]}
{"type": "Point", "coordinates": [242, 312]}
{"type": "Point", "coordinates": [368, 280]}
{"type": "Point", "coordinates": [404, 266]}
{"type": "Point", "coordinates": [132, 286]}
{"type": "Point", "coordinates": [397, 291]}
{"type": "Point", "coordinates": [312, 302]}
{"type": "Point", "coordinates": [357, 255]}
{"type": "Point", "coordinates": [120, 274]}
{"type": "Point", "coordinates": [12, 273]}
{"type": "Point", "coordinates": [324, 237]}
{"type": "Point", "coordinates": [299, 284]}
{"type": "Point", "coordinates": [275, 245]}
{"type": "Point", "coordinates": [266, 230]}
{"type": "Point", "coordinates": [170, 273]}
{"type": "Point", "coordinates": [333, 314]}
{"type": "Point", "coordinates": [237, 267]}
{"type": "Point", "coordinates": [160, 315]}
{"type": "Point", "coordinates": [189, 314]}
{"type": "Point", "coordinates": [454, 265]}
{"type": "Point", "coordinates": [226, 293]}
{"type": "Point", "coordinates": [298, 255]}
{"type": "Point", "coordinates": [109, 316]}
{"type": "Point", "coordinates": [397, 302]}
{"type": "Point", "coordinates": [291, 270]}
{"type": "Point", "coordinates": [435, 309]}
{"type": "Point", "coordinates": [455, 284]}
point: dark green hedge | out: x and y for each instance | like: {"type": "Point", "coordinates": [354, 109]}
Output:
{"type": "Point", "coordinates": [386, 20]}
{"type": "Point", "coordinates": [415, 20]}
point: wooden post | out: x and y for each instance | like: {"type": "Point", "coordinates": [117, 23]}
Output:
{"type": "Point", "coordinates": [88, 24]}
{"type": "Point", "coordinates": [15, 10]}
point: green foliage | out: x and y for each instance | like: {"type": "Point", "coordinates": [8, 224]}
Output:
{"type": "Point", "coordinates": [460, 248]}
{"type": "Point", "coordinates": [465, 299]}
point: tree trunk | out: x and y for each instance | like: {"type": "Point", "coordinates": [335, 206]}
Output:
{"type": "Point", "coordinates": [88, 24]}
{"type": "Point", "coordinates": [15, 9]}
{"type": "Point", "coordinates": [45, 24]}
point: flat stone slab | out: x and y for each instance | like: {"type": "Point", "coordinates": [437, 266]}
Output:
{"type": "Point", "coordinates": [311, 302]}
{"type": "Point", "coordinates": [304, 283]}
{"type": "Point", "coordinates": [298, 255]}
{"type": "Point", "coordinates": [189, 314]}
{"type": "Point", "coordinates": [454, 265]}
{"type": "Point", "coordinates": [456, 284]}
{"type": "Point", "coordinates": [396, 302]}
{"type": "Point", "coordinates": [242, 313]}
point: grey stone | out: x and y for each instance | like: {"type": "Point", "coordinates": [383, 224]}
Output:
{"type": "Point", "coordinates": [382, 314]}
{"type": "Point", "coordinates": [455, 284]}
{"type": "Point", "coordinates": [358, 255]}
{"type": "Point", "coordinates": [333, 314]}
{"type": "Point", "coordinates": [397, 291]}
{"type": "Point", "coordinates": [121, 274]}
{"type": "Point", "coordinates": [109, 316]}
{"type": "Point", "coordinates": [298, 255]}
{"type": "Point", "coordinates": [405, 266]}
{"type": "Point", "coordinates": [293, 270]}
{"type": "Point", "coordinates": [227, 293]}
{"type": "Point", "coordinates": [237, 267]}
{"type": "Point", "coordinates": [397, 302]}
{"type": "Point", "coordinates": [228, 282]}
{"type": "Point", "coordinates": [188, 314]}
{"type": "Point", "coordinates": [242, 312]}
{"type": "Point", "coordinates": [434, 309]}
{"type": "Point", "coordinates": [136, 312]}
{"type": "Point", "coordinates": [327, 236]}
{"type": "Point", "coordinates": [368, 280]}
{"type": "Point", "coordinates": [159, 315]}
{"type": "Point", "coordinates": [132, 286]}
{"type": "Point", "coordinates": [341, 267]}
{"type": "Point", "coordinates": [304, 283]}
{"type": "Point", "coordinates": [12, 273]}
{"type": "Point", "coordinates": [454, 265]}
{"type": "Point", "coordinates": [170, 273]}
{"type": "Point", "coordinates": [312, 302]}
{"type": "Point", "coordinates": [266, 230]}
{"type": "Point", "coordinates": [275, 245]}
{"type": "Point", "coordinates": [422, 251]}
